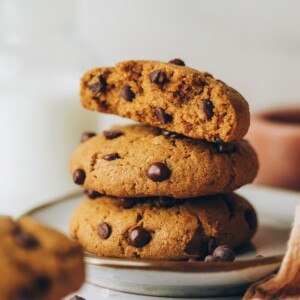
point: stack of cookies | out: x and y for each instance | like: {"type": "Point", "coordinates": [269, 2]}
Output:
{"type": "Point", "coordinates": [164, 189]}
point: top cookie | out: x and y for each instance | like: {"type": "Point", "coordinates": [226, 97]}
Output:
{"type": "Point", "coordinates": [173, 97]}
{"type": "Point", "coordinates": [141, 161]}
{"type": "Point", "coordinates": [37, 262]}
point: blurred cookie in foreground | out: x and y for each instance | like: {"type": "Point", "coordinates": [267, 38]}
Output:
{"type": "Point", "coordinates": [37, 262]}
{"type": "Point", "coordinates": [163, 228]}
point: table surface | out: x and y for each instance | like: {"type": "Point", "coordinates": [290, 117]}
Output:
{"type": "Point", "coordinates": [92, 292]}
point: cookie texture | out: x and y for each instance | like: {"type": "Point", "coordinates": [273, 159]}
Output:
{"type": "Point", "coordinates": [169, 96]}
{"type": "Point", "coordinates": [37, 262]}
{"type": "Point", "coordinates": [141, 161]}
{"type": "Point", "coordinates": [162, 228]}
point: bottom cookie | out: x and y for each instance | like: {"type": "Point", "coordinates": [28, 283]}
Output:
{"type": "Point", "coordinates": [162, 228]}
{"type": "Point", "coordinates": [37, 262]}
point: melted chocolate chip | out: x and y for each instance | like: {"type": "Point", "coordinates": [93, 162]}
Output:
{"type": "Point", "coordinates": [127, 93]}
{"type": "Point", "coordinates": [251, 219]}
{"type": "Point", "coordinates": [111, 156]}
{"type": "Point", "coordinates": [79, 176]}
{"type": "Point", "coordinates": [225, 253]}
{"type": "Point", "coordinates": [168, 134]}
{"type": "Point", "coordinates": [162, 116]}
{"type": "Point", "coordinates": [158, 172]}
{"type": "Point", "coordinates": [92, 194]}
{"type": "Point", "coordinates": [212, 258]}
{"type": "Point", "coordinates": [177, 61]}
{"type": "Point", "coordinates": [87, 135]}
{"type": "Point", "coordinates": [127, 202]}
{"type": "Point", "coordinates": [139, 237]}
{"type": "Point", "coordinates": [24, 239]}
{"type": "Point", "coordinates": [99, 86]}
{"type": "Point", "coordinates": [165, 202]}
{"type": "Point", "coordinates": [112, 134]}
{"type": "Point", "coordinates": [223, 147]}
{"type": "Point", "coordinates": [104, 230]}
{"type": "Point", "coordinates": [208, 108]}
{"type": "Point", "coordinates": [157, 77]}
{"type": "Point", "coordinates": [42, 284]}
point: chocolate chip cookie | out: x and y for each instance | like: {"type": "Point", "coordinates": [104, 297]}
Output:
{"type": "Point", "coordinates": [170, 96]}
{"type": "Point", "coordinates": [141, 161]}
{"type": "Point", "coordinates": [162, 228]}
{"type": "Point", "coordinates": [37, 262]}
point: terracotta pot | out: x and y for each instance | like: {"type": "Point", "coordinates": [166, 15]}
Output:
{"type": "Point", "coordinates": [275, 135]}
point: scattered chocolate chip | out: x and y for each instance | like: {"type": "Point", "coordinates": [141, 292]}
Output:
{"type": "Point", "coordinates": [259, 256]}
{"type": "Point", "coordinates": [42, 284]}
{"type": "Point", "coordinates": [158, 172]}
{"type": "Point", "coordinates": [177, 61]}
{"type": "Point", "coordinates": [211, 245]}
{"type": "Point", "coordinates": [139, 237]}
{"type": "Point", "coordinates": [104, 230]}
{"type": "Point", "coordinates": [162, 116]}
{"type": "Point", "coordinates": [127, 93]}
{"type": "Point", "coordinates": [212, 258]}
{"type": "Point", "coordinates": [168, 134]}
{"type": "Point", "coordinates": [157, 77]}
{"type": "Point", "coordinates": [251, 219]}
{"type": "Point", "coordinates": [223, 147]}
{"type": "Point", "coordinates": [127, 202]}
{"type": "Point", "coordinates": [79, 176]}
{"type": "Point", "coordinates": [208, 108]}
{"type": "Point", "coordinates": [112, 134]}
{"type": "Point", "coordinates": [165, 201]}
{"type": "Point", "coordinates": [77, 298]}
{"type": "Point", "coordinates": [98, 86]}
{"type": "Point", "coordinates": [92, 194]}
{"type": "Point", "coordinates": [87, 135]}
{"type": "Point", "coordinates": [24, 239]}
{"type": "Point", "coordinates": [111, 156]}
{"type": "Point", "coordinates": [225, 253]}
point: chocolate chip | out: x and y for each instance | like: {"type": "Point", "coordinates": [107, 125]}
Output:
{"type": "Point", "coordinates": [208, 108]}
{"type": "Point", "coordinates": [24, 239]}
{"type": "Point", "coordinates": [212, 258]}
{"type": "Point", "coordinates": [157, 77]}
{"type": "Point", "coordinates": [162, 116]}
{"type": "Point", "coordinates": [177, 61]}
{"type": "Point", "coordinates": [225, 147]}
{"type": "Point", "coordinates": [158, 172]}
{"type": "Point", "coordinates": [112, 134]}
{"type": "Point", "coordinates": [99, 86]}
{"type": "Point", "coordinates": [77, 298]}
{"type": "Point", "coordinates": [127, 93]}
{"type": "Point", "coordinates": [168, 134]}
{"type": "Point", "coordinates": [225, 253]}
{"type": "Point", "coordinates": [127, 202]}
{"type": "Point", "coordinates": [165, 202]}
{"type": "Point", "coordinates": [251, 219]}
{"type": "Point", "coordinates": [42, 284]}
{"type": "Point", "coordinates": [104, 230]}
{"type": "Point", "coordinates": [211, 245]}
{"type": "Point", "coordinates": [92, 194]}
{"type": "Point", "coordinates": [87, 135]}
{"type": "Point", "coordinates": [139, 237]}
{"type": "Point", "coordinates": [111, 156]}
{"type": "Point", "coordinates": [79, 176]}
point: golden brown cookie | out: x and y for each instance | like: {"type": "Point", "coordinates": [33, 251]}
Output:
{"type": "Point", "coordinates": [162, 228]}
{"type": "Point", "coordinates": [140, 161]}
{"type": "Point", "coordinates": [37, 262]}
{"type": "Point", "coordinates": [173, 97]}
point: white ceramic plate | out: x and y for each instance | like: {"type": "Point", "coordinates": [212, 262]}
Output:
{"type": "Point", "coordinates": [181, 279]}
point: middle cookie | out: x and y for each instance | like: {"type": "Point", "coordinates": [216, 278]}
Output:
{"type": "Point", "coordinates": [141, 161]}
